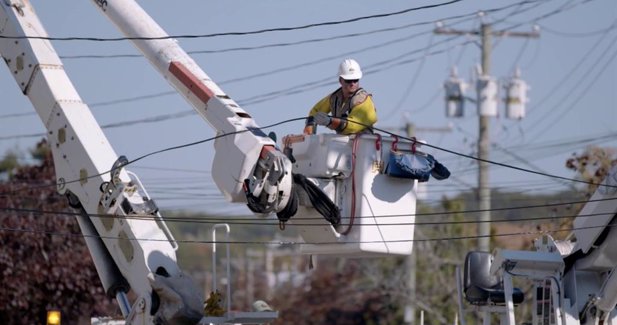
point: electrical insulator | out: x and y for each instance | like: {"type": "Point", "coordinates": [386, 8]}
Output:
{"type": "Point", "coordinates": [455, 95]}
{"type": "Point", "coordinates": [487, 90]}
{"type": "Point", "coordinates": [516, 97]}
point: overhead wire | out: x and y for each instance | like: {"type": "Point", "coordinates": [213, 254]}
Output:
{"type": "Point", "coordinates": [153, 119]}
{"type": "Point", "coordinates": [553, 147]}
{"type": "Point", "coordinates": [371, 69]}
{"type": "Point", "coordinates": [169, 201]}
{"type": "Point", "coordinates": [301, 42]}
{"type": "Point", "coordinates": [492, 162]}
{"type": "Point", "coordinates": [544, 154]}
{"type": "Point", "coordinates": [528, 163]}
{"type": "Point", "coordinates": [566, 143]}
{"type": "Point", "coordinates": [518, 57]}
{"type": "Point", "coordinates": [321, 83]}
{"type": "Point", "coordinates": [176, 148]}
{"type": "Point", "coordinates": [177, 185]}
{"type": "Point", "coordinates": [503, 186]}
{"type": "Point", "coordinates": [273, 222]}
{"type": "Point", "coordinates": [261, 31]}
{"type": "Point", "coordinates": [563, 8]}
{"type": "Point", "coordinates": [562, 147]}
{"type": "Point", "coordinates": [582, 34]}
{"type": "Point", "coordinates": [412, 82]}
{"type": "Point", "coordinates": [296, 243]}
{"type": "Point", "coordinates": [237, 79]}
{"type": "Point", "coordinates": [302, 118]}
{"type": "Point", "coordinates": [428, 102]}
{"type": "Point", "coordinates": [581, 95]}
{"type": "Point", "coordinates": [296, 66]}
{"type": "Point", "coordinates": [168, 169]}
{"type": "Point", "coordinates": [559, 10]}
{"type": "Point", "coordinates": [274, 45]}
{"type": "Point", "coordinates": [558, 85]}
{"type": "Point", "coordinates": [578, 141]}
{"type": "Point", "coordinates": [262, 220]}
{"type": "Point", "coordinates": [575, 67]}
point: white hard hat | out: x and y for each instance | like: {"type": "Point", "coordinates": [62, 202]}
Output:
{"type": "Point", "coordinates": [349, 70]}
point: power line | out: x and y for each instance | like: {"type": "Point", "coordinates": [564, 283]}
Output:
{"type": "Point", "coordinates": [412, 82]}
{"type": "Point", "coordinates": [272, 45]}
{"type": "Point", "coordinates": [612, 26]}
{"type": "Point", "coordinates": [295, 243]}
{"type": "Point", "coordinates": [493, 162]}
{"type": "Point", "coordinates": [309, 41]}
{"type": "Point", "coordinates": [166, 150]}
{"type": "Point", "coordinates": [575, 67]}
{"type": "Point", "coordinates": [261, 220]}
{"type": "Point", "coordinates": [371, 69]}
{"type": "Point", "coordinates": [261, 31]}
{"type": "Point", "coordinates": [271, 223]}
{"type": "Point", "coordinates": [233, 80]}
{"type": "Point", "coordinates": [153, 119]}
{"type": "Point", "coordinates": [582, 94]}
{"type": "Point", "coordinates": [302, 118]}
{"type": "Point", "coordinates": [568, 76]}
{"type": "Point", "coordinates": [293, 67]}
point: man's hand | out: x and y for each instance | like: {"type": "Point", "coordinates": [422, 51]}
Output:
{"type": "Point", "coordinates": [322, 118]}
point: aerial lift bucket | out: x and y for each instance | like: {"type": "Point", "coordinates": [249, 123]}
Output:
{"type": "Point", "coordinates": [377, 210]}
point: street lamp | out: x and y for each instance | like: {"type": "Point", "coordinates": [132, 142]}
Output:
{"type": "Point", "coordinates": [53, 317]}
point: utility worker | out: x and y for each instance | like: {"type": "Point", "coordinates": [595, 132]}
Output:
{"type": "Point", "coordinates": [347, 105]}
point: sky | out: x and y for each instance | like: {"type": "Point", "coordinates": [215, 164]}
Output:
{"type": "Point", "coordinates": [275, 76]}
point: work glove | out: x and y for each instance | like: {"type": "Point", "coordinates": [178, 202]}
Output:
{"type": "Point", "coordinates": [322, 118]}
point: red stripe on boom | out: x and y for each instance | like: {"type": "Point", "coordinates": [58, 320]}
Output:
{"type": "Point", "coordinates": [188, 79]}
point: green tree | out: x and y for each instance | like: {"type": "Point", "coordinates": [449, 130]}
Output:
{"type": "Point", "coordinates": [593, 165]}
{"type": "Point", "coordinates": [9, 162]}
{"type": "Point", "coordinates": [44, 261]}
{"type": "Point", "coordinates": [41, 152]}
{"type": "Point", "coordinates": [438, 256]}
{"type": "Point", "coordinates": [344, 292]}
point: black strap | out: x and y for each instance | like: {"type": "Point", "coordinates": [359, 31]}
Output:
{"type": "Point", "coordinates": [320, 200]}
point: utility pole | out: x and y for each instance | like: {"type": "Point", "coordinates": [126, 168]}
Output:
{"type": "Point", "coordinates": [410, 310]}
{"type": "Point", "coordinates": [484, 192]}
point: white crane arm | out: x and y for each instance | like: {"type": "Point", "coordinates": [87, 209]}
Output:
{"type": "Point", "coordinates": [135, 253]}
{"type": "Point", "coordinates": [596, 239]}
{"type": "Point", "coordinates": [245, 161]}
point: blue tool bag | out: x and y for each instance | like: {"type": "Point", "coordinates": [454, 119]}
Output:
{"type": "Point", "coordinates": [410, 165]}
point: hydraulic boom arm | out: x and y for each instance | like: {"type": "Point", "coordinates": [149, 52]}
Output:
{"type": "Point", "coordinates": [137, 253]}
{"type": "Point", "coordinates": [128, 240]}
{"type": "Point", "coordinates": [246, 164]}
{"type": "Point", "coordinates": [342, 181]}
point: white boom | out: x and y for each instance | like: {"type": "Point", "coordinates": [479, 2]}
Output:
{"type": "Point", "coordinates": [248, 168]}
{"type": "Point", "coordinates": [239, 155]}
{"type": "Point", "coordinates": [349, 204]}
{"type": "Point", "coordinates": [575, 280]}
{"type": "Point", "coordinates": [129, 253]}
